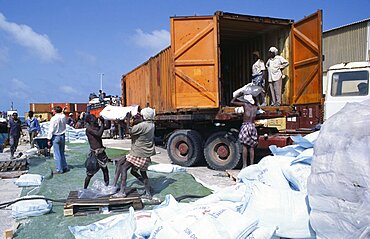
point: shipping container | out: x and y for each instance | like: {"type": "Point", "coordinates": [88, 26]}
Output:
{"type": "Point", "coordinates": [190, 83]}
{"type": "Point", "coordinates": [78, 107]}
{"type": "Point", "coordinates": [41, 116]}
{"type": "Point", "coordinates": [211, 56]}
{"type": "Point", "coordinates": [40, 107]}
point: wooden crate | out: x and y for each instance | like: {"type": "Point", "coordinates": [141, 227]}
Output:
{"type": "Point", "coordinates": [75, 206]}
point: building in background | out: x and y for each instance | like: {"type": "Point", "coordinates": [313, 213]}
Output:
{"type": "Point", "coordinates": [347, 43]}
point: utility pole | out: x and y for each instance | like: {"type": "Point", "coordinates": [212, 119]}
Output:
{"type": "Point", "coordinates": [101, 81]}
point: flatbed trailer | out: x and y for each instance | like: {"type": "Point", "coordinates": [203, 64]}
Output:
{"type": "Point", "coordinates": [190, 83]}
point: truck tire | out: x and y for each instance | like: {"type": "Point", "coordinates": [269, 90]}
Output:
{"type": "Point", "coordinates": [222, 151]}
{"type": "Point", "coordinates": [184, 147]}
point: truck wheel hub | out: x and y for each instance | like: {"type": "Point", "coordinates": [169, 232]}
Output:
{"type": "Point", "coordinates": [183, 148]}
{"type": "Point", "coordinates": [223, 151]}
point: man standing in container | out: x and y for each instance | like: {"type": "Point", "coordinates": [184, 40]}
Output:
{"type": "Point", "coordinates": [275, 65]}
{"type": "Point", "coordinates": [15, 129]}
{"type": "Point", "coordinates": [33, 127]}
{"type": "Point", "coordinates": [56, 137]}
{"type": "Point", "coordinates": [248, 133]}
{"type": "Point", "coordinates": [258, 74]}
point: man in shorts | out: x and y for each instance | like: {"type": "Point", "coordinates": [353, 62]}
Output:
{"type": "Point", "coordinates": [142, 148]}
{"type": "Point", "coordinates": [248, 133]}
{"type": "Point", "coordinates": [97, 158]}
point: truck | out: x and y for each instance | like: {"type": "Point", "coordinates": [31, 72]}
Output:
{"type": "Point", "coordinates": [190, 84]}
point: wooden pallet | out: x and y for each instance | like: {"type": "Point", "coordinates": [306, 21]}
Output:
{"type": "Point", "coordinates": [75, 206]}
{"type": "Point", "coordinates": [13, 165]}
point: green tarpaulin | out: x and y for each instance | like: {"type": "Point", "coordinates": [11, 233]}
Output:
{"type": "Point", "coordinates": [55, 224]}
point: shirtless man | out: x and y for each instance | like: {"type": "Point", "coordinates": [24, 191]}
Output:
{"type": "Point", "coordinates": [248, 133]}
{"type": "Point", "coordinates": [94, 132]}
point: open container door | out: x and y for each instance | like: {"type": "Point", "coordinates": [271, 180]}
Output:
{"type": "Point", "coordinates": [195, 56]}
{"type": "Point", "coordinates": [307, 60]}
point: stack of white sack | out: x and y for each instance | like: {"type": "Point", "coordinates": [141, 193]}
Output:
{"type": "Point", "coordinates": [72, 135]}
{"type": "Point", "coordinates": [278, 189]}
{"type": "Point", "coordinates": [338, 187]}
{"type": "Point", "coordinates": [263, 205]}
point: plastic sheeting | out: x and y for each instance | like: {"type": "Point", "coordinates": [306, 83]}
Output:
{"type": "Point", "coordinates": [71, 134]}
{"type": "Point", "coordinates": [338, 186]}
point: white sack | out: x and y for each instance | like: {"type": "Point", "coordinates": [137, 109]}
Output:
{"type": "Point", "coordinates": [120, 226]}
{"type": "Point", "coordinates": [111, 112]}
{"type": "Point", "coordinates": [297, 174]}
{"type": "Point", "coordinates": [267, 171]}
{"type": "Point", "coordinates": [30, 208]}
{"type": "Point", "coordinates": [163, 230]}
{"type": "Point", "coordinates": [262, 233]}
{"type": "Point", "coordinates": [28, 179]}
{"type": "Point", "coordinates": [286, 209]}
{"type": "Point", "coordinates": [144, 223]}
{"type": "Point", "coordinates": [339, 184]}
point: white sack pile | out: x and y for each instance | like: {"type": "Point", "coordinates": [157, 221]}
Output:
{"type": "Point", "coordinates": [339, 185]}
{"type": "Point", "coordinates": [271, 200]}
{"type": "Point", "coordinates": [72, 135]}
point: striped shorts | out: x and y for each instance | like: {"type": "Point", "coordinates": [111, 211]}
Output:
{"type": "Point", "coordinates": [138, 162]}
{"type": "Point", "coordinates": [248, 134]}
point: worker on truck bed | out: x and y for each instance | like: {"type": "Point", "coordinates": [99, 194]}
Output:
{"type": "Point", "coordinates": [258, 74]}
{"type": "Point", "coordinates": [275, 64]}
{"type": "Point", "coordinates": [248, 133]}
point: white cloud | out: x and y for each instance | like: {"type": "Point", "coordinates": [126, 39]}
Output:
{"type": "Point", "coordinates": [86, 57]}
{"type": "Point", "coordinates": [156, 40]}
{"type": "Point", "coordinates": [68, 90]}
{"type": "Point", "coordinates": [26, 37]}
{"type": "Point", "coordinates": [4, 57]}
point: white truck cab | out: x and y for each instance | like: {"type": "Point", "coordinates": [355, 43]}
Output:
{"type": "Point", "coordinates": [347, 82]}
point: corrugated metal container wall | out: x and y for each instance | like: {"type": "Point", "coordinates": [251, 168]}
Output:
{"type": "Point", "coordinates": [345, 44]}
{"type": "Point", "coordinates": [38, 107]}
{"type": "Point", "coordinates": [78, 107]}
{"type": "Point", "coordinates": [152, 77]}
{"type": "Point", "coordinates": [67, 107]}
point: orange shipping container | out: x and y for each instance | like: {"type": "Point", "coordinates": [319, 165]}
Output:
{"type": "Point", "coordinates": [40, 107]}
{"type": "Point", "coordinates": [78, 107]}
{"type": "Point", "coordinates": [211, 56]}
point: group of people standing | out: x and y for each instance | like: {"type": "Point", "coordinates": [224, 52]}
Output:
{"type": "Point", "coordinates": [15, 130]}
{"type": "Point", "coordinates": [248, 136]}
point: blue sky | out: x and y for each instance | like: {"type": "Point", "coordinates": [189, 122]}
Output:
{"type": "Point", "coordinates": [54, 50]}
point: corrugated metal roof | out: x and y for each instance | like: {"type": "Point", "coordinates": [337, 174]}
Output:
{"type": "Point", "coordinates": [350, 24]}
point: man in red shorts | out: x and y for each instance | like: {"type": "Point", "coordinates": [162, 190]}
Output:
{"type": "Point", "coordinates": [248, 133]}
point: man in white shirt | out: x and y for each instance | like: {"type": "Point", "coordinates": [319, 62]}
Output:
{"type": "Point", "coordinates": [258, 75]}
{"type": "Point", "coordinates": [275, 65]}
{"type": "Point", "coordinates": [56, 137]}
